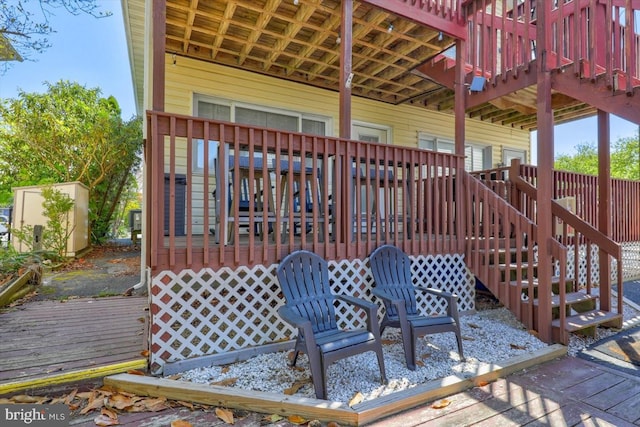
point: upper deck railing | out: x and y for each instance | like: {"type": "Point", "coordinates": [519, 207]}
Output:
{"type": "Point", "coordinates": [252, 195]}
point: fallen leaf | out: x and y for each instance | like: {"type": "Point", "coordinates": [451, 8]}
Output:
{"type": "Point", "coordinates": [181, 423]}
{"type": "Point", "coordinates": [155, 405]}
{"type": "Point", "coordinates": [474, 326]}
{"type": "Point", "coordinates": [109, 413]}
{"type": "Point", "coordinates": [420, 363]}
{"type": "Point", "coordinates": [296, 419]}
{"type": "Point", "coordinates": [468, 338]}
{"type": "Point", "coordinates": [273, 418]}
{"type": "Point", "coordinates": [144, 353]}
{"type": "Point", "coordinates": [141, 319]}
{"type": "Point", "coordinates": [23, 398]}
{"type": "Point", "coordinates": [94, 403]}
{"type": "Point", "coordinates": [136, 372]}
{"type": "Point", "coordinates": [294, 388]}
{"type": "Point", "coordinates": [441, 404]}
{"type": "Point", "coordinates": [482, 383]}
{"type": "Point", "coordinates": [425, 356]}
{"type": "Point", "coordinates": [103, 420]}
{"type": "Point", "coordinates": [388, 342]}
{"type": "Point", "coordinates": [186, 404]}
{"type": "Point", "coordinates": [69, 398]}
{"type": "Point", "coordinates": [225, 369]}
{"type": "Point", "coordinates": [85, 394]}
{"type": "Point", "coordinates": [120, 401]}
{"type": "Point", "coordinates": [357, 398]}
{"type": "Point", "coordinates": [226, 382]}
{"type": "Point", "coordinates": [517, 347]}
{"type": "Point", "coordinates": [333, 424]}
{"type": "Point", "coordinates": [225, 415]}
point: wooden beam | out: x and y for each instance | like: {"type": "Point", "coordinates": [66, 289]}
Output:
{"type": "Point", "coordinates": [545, 180]}
{"type": "Point", "coordinates": [604, 205]}
{"type": "Point", "coordinates": [159, 13]}
{"type": "Point", "coordinates": [346, 71]}
{"type": "Point", "coordinates": [411, 11]}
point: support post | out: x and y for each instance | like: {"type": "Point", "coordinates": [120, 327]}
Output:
{"type": "Point", "coordinates": [460, 97]}
{"type": "Point", "coordinates": [604, 206]}
{"type": "Point", "coordinates": [545, 166]}
{"type": "Point", "coordinates": [346, 62]}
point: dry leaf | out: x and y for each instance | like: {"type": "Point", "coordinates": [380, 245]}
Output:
{"type": "Point", "coordinates": [181, 423]}
{"type": "Point", "coordinates": [141, 319]}
{"type": "Point", "coordinates": [357, 398]}
{"type": "Point", "coordinates": [103, 420]}
{"type": "Point", "coordinates": [174, 377]}
{"type": "Point", "coordinates": [482, 383]}
{"type": "Point", "coordinates": [441, 404]}
{"type": "Point", "coordinates": [388, 342]}
{"type": "Point", "coordinates": [135, 372]}
{"type": "Point", "coordinates": [120, 401]}
{"type": "Point", "coordinates": [333, 424]}
{"type": "Point", "coordinates": [425, 356]}
{"type": "Point", "coordinates": [95, 402]}
{"type": "Point", "coordinates": [109, 413]}
{"type": "Point", "coordinates": [468, 338]}
{"type": "Point", "coordinates": [85, 394]}
{"type": "Point", "coordinates": [273, 418]}
{"type": "Point", "coordinates": [296, 419]}
{"type": "Point", "coordinates": [69, 398]}
{"type": "Point", "coordinates": [225, 369]}
{"type": "Point", "coordinates": [144, 353]}
{"type": "Point", "coordinates": [186, 404]}
{"type": "Point", "coordinates": [23, 398]}
{"type": "Point", "coordinates": [227, 382]}
{"type": "Point", "coordinates": [474, 326]}
{"type": "Point", "coordinates": [155, 405]}
{"type": "Point", "coordinates": [225, 415]}
{"type": "Point", "coordinates": [420, 363]}
{"type": "Point", "coordinates": [295, 387]}
{"type": "Point", "coordinates": [517, 347]}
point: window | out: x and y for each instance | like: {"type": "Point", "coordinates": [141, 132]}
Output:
{"type": "Point", "coordinates": [231, 111]}
{"type": "Point", "coordinates": [509, 154]}
{"type": "Point", "coordinates": [369, 132]}
{"type": "Point", "coordinates": [477, 157]}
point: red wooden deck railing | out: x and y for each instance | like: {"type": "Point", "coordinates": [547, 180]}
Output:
{"type": "Point", "coordinates": [243, 206]}
{"type": "Point", "coordinates": [502, 40]}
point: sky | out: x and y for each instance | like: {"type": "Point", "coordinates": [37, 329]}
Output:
{"type": "Point", "coordinates": [86, 50]}
{"type": "Point", "coordinates": [93, 52]}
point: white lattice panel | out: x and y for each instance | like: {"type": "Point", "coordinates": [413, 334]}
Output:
{"type": "Point", "coordinates": [581, 276]}
{"type": "Point", "coordinates": [212, 312]}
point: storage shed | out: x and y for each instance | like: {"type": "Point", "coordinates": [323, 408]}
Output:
{"type": "Point", "coordinates": [28, 210]}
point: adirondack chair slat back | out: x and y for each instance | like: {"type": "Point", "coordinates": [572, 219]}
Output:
{"type": "Point", "coordinates": [304, 279]}
{"type": "Point", "coordinates": [391, 270]}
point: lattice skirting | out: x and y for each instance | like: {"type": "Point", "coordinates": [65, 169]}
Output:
{"type": "Point", "coordinates": [630, 264]}
{"type": "Point", "coordinates": [209, 312]}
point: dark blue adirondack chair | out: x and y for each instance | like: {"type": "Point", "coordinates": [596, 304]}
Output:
{"type": "Point", "coordinates": [309, 307]}
{"type": "Point", "coordinates": [391, 270]}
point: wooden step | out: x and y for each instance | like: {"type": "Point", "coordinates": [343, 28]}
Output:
{"type": "Point", "coordinates": [587, 319]}
{"type": "Point", "coordinates": [570, 299]}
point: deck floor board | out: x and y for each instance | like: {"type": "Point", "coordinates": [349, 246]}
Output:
{"type": "Point", "coordinates": [54, 337]}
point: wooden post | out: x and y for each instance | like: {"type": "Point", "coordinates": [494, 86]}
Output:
{"type": "Point", "coordinates": [545, 165]}
{"type": "Point", "coordinates": [604, 206]}
{"type": "Point", "coordinates": [158, 39]}
{"type": "Point", "coordinates": [460, 96]}
{"type": "Point", "coordinates": [346, 75]}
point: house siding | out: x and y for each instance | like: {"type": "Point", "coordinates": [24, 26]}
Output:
{"type": "Point", "coordinates": [189, 77]}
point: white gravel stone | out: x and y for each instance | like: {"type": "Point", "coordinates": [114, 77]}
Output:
{"type": "Point", "coordinates": [489, 336]}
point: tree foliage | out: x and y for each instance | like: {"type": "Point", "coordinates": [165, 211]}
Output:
{"type": "Point", "coordinates": [625, 159]}
{"type": "Point", "coordinates": [69, 134]}
{"type": "Point", "coordinates": [24, 24]}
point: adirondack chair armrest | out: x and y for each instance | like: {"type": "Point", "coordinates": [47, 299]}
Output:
{"type": "Point", "coordinates": [303, 325]}
{"type": "Point", "coordinates": [452, 299]}
{"type": "Point", "coordinates": [398, 304]}
{"type": "Point", "coordinates": [370, 308]}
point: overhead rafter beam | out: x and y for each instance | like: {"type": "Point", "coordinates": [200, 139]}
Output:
{"type": "Point", "coordinates": [422, 16]}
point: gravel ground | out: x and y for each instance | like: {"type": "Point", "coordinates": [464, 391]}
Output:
{"type": "Point", "coordinates": [489, 336]}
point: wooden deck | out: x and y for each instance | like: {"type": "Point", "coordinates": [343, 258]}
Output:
{"type": "Point", "coordinates": [52, 342]}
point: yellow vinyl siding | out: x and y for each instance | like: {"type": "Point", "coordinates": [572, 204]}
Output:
{"type": "Point", "coordinates": [188, 77]}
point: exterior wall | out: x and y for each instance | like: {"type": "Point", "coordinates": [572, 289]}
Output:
{"type": "Point", "coordinates": [188, 77]}
{"type": "Point", "coordinates": [28, 211]}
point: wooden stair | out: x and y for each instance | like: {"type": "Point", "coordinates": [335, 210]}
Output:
{"type": "Point", "coordinates": [581, 308]}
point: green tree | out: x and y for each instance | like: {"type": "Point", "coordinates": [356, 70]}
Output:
{"type": "Point", "coordinates": [24, 25]}
{"type": "Point", "coordinates": [625, 160]}
{"type": "Point", "coordinates": [69, 134]}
